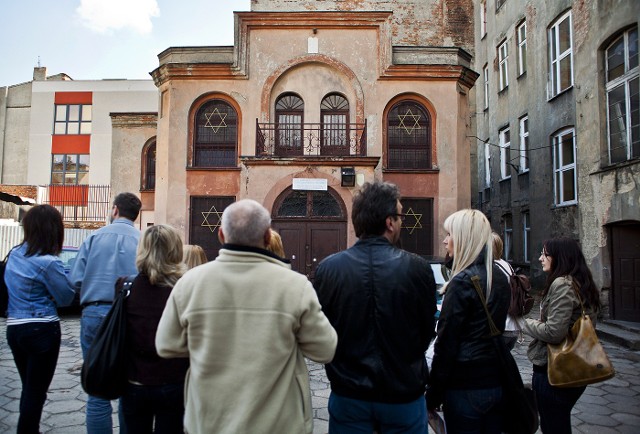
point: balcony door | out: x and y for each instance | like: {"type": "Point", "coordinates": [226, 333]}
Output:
{"type": "Point", "coordinates": [289, 130]}
{"type": "Point", "coordinates": [334, 114]}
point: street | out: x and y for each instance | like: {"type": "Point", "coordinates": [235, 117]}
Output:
{"type": "Point", "coordinates": [609, 407]}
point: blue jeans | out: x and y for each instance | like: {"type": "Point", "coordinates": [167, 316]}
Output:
{"type": "Point", "coordinates": [473, 410]}
{"type": "Point", "coordinates": [98, 410]}
{"type": "Point", "coordinates": [554, 404]}
{"type": "Point", "coordinates": [141, 405]}
{"type": "Point", "coordinates": [348, 416]}
{"type": "Point", "coordinates": [35, 348]}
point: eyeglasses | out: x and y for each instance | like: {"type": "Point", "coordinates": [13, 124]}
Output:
{"type": "Point", "coordinates": [402, 216]}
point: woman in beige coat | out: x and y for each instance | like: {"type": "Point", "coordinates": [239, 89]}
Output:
{"type": "Point", "coordinates": [567, 274]}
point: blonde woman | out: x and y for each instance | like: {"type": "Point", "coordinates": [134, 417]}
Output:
{"type": "Point", "coordinates": [155, 389]}
{"type": "Point", "coordinates": [193, 255]}
{"type": "Point", "coordinates": [465, 375]}
{"type": "Point", "coordinates": [275, 244]}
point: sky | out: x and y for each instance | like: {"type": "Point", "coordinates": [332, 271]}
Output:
{"type": "Point", "coordinates": [105, 39]}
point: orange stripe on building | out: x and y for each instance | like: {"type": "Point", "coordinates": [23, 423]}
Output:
{"type": "Point", "coordinates": [71, 144]}
{"type": "Point", "coordinates": [74, 98]}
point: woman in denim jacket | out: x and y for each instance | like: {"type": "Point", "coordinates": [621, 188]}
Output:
{"type": "Point", "coordinates": [37, 284]}
{"type": "Point", "coordinates": [567, 271]}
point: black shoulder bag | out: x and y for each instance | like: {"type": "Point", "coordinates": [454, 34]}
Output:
{"type": "Point", "coordinates": [4, 291]}
{"type": "Point", "coordinates": [519, 408]}
{"type": "Point", "coordinates": [104, 372]}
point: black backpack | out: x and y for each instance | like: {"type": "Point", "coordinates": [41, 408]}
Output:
{"type": "Point", "coordinates": [521, 298]}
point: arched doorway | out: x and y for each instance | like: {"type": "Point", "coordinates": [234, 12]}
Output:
{"type": "Point", "coordinates": [312, 224]}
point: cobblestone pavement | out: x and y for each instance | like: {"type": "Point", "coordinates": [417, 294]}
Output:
{"type": "Point", "coordinates": [609, 407]}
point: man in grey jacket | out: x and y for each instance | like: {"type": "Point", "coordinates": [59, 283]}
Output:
{"type": "Point", "coordinates": [246, 321]}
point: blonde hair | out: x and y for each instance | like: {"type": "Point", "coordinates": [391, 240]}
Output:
{"type": "Point", "coordinates": [159, 255]}
{"type": "Point", "coordinates": [498, 246]}
{"type": "Point", "coordinates": [193, 255]}
{"type": "Point", "coordinates": [275, 244]}
{"type": "Point", "coordinates": [470, 232]}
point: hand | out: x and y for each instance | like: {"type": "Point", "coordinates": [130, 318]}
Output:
{"type": "Point", "coordinates": [434, 397]}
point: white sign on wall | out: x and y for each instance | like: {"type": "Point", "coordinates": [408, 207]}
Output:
{"type": "Point", "coordinates": [309, 184]}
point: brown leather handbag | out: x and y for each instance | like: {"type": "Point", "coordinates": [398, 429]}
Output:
{"type": "Point", "coordinates": [579, 359]}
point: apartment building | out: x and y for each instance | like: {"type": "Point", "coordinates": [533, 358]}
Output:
{"type": "Point", "coordinates": [558, 135]}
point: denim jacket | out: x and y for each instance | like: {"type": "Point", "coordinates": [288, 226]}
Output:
{"type": "Point", "coordinates": [37, 285]}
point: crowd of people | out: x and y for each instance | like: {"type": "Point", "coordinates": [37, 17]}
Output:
{"type": "Point", "coordinates": [220, 346]}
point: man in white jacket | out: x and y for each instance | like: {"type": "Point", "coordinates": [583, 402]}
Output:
{"type": "Point", "coordinates": [246, 321]}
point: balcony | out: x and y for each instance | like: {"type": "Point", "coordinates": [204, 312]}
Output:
{"type": "Point", "coordinates": [78, 204]}
{"type": "Point", "coordinates": [311, 140]}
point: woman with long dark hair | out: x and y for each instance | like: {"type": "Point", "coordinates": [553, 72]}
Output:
{"type": "Point", "coordinates": [568, 277]}
{"type": "Point", "coordinates": [154, 399]}
{"type": "Point", "coordinates": [37, 285]}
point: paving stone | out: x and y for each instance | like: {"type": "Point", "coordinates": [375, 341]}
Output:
{"type": "Point", "coordinates": [617, 399]}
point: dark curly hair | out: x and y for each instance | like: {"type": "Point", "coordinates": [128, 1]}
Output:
{"type": "Point", "coordinates": [568, 260]}
{"type": "Point", "coordinates": [128, 205]}
{"type": "Point", "coordinates": [372, 205]}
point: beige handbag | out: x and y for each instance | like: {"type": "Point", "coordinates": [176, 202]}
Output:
{"type": "Point", "coordinates": [579, 359]}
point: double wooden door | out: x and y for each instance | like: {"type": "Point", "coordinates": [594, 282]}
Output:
{"type": "Point", "coordinates": [306, 243]}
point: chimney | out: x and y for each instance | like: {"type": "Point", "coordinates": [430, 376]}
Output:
{"type": "Point", "coordinates": [39, 73]}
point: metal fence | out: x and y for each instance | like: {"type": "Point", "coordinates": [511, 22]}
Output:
{"type": "Point", "coordinates": [78, 203]}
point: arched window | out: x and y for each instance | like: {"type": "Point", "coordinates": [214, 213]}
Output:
{"type": "Point", "coordinates": [408, 136]}
{"type": "Point", "coordinates": [334, 117]}
{"type": "Point", "coordinates": [216, 135]}
{"type": "Point", "coordinates": [289, 120]}
{"type": "Point", "coordinates": [149, 166]}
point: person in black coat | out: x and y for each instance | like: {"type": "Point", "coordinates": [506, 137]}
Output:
{"type": "Point", "coordinates": [381, 300]}
{"type": "Point", "coordinates": [465, 372]}
{"type": "Point", "coordinates": [154, 399]}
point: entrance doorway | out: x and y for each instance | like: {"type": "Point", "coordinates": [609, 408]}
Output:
{"type": "Point", "coordinates": [312, 225]}
{"type": "Point", "coordinates": [625, 262]}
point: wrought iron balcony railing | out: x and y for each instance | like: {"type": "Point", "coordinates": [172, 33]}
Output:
{"type": "Point", "coordinates": [303, 139]}
{"type": "Point", "coordinates": [78, 203]}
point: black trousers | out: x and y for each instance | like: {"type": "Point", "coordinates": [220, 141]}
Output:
{"type": "Point", "coordinates": [35, 347]}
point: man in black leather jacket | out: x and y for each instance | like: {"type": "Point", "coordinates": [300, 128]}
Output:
{"type": "Point", "coordinates": [381, 300]}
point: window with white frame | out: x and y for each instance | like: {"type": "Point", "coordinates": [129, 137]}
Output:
{"type": "Point", "coordinates": [503, 60]}
{"type": "Point", "coordinates": [72, 119]}
{"type": "Point", "coordinates": [560, 55]}
{"type": "Point", "coordinates": [526, 232]}
{"type": "Point", "coordinates": [564, 167]}
{"type": "Point", "coordinates": [508, 237]}
{"type": "Point", "coordinates": [505, 153]}
{"type": "Point", "coordinates": [487, 162]}
{"type": "Point", "coordinates": [524, 144]}
{"type": "Point", "coordinates": [521, 33]}
{"type": "Point", "coordinates": [483, 19]}
{"type": "Point", "coordinates": [622, 85]}
{"type": "Point", "coordinates": [485, 74]}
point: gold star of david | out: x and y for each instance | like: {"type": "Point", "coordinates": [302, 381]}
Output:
{"type": "Point", "coordinates": [416, 224]}
{"type": "Point", "coordinates": [221, 116]}
{"type": "Point", "coordinates": [206, 223]}
{"type": "Point", "coordinates": [409, 128]}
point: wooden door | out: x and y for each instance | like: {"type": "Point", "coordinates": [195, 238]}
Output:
{"type": "Point", "coordinates": [625, 260]}
{"type": "Point", "coordinates": [306, 244]}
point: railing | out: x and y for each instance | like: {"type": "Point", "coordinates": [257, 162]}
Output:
{"type": "Point", "coordinates": [78, 203]}
{"type": "Point", "coordinates": [296, 139]}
